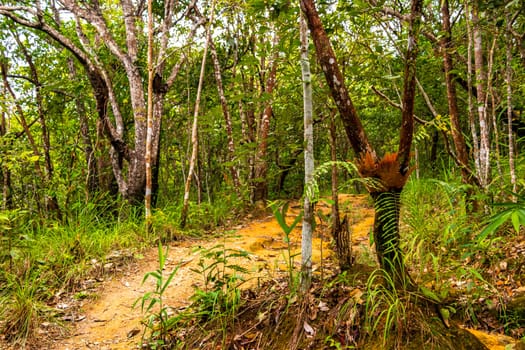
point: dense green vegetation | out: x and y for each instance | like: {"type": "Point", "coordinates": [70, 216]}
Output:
{"type": "Point", "coordinates": [74, 140]}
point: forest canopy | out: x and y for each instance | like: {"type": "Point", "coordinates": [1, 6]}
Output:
{"type": "Point", "coordinates": [196, 113]}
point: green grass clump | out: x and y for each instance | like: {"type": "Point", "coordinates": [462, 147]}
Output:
{"type": "Point", "coordinates": [44, 259]}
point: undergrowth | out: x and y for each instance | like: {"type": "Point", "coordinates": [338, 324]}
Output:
{"type": "Point", "coordinates": [459, 272]}
{"type": "Point", "coordinates": [44, 261]}
{"type": "Point", "coordinates": [360, 309]}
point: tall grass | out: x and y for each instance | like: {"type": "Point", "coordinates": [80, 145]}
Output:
{"type": "Point", "coordinates": [24, 308]}
{"type": "Point", "coordinates": [49, 258]}
{"type": "Point", "coordinates": [447, 259]}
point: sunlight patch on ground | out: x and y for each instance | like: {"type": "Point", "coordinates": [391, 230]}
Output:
{"type": "Point", "coordinates": [494, 341]}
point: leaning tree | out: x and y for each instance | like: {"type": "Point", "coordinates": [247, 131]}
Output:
{"type": "Point", "coordinates": [106, 40]}
{"type": "Point", "coordinates": [385, 176]}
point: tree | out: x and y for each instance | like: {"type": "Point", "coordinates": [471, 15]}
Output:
{"type": "Point", "coordinates": [309, 167]}
{"type": "Point", "coordinates": [259, 181]}
{"type": "Point", "coordinates": [456, 131]}
{"type": "Point", "coordinates": [226, 114]}
{"type": "Point", "coordinates": [387, 175]}
{"type": "Point", "coordinates": [100, 63]}
{"type": "Point", "coordinates": [482, 159]}
{"type": "Point", "coordinates": [149, 132]}
{"type": "Point", "coordinates": [194, 129]}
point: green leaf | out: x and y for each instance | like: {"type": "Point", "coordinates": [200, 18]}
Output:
{"type": "Point", "coordinates": [497, 221]}
{"type": "Point", "coordinates": [516, 220]}
{"type": "Point", "coordinates": [238, 268]}
{"type": "Point", "coordinates": [429, 294]}
{"type": "Point", "coordinates": [476, 274]}
{"type": "Point", "coordinates": [445, 314]}
{"type": "Point", "coordinates": [296, 221]}
{"type": "Point", "coordinates": [168, 281]}
{"type": "Point", "coordinates": [521, 214]}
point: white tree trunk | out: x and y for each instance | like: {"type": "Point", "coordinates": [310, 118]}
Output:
{"type": "Point", "coordinates": [481, 78]}
{"type": "Point", "coordinates": [194, 138]}
{"type": "Point", "coordinates": [308, 218]}
{"type": "Point", "coordinates": [508, 79]}
{"type": "Point", "coordinates": [149, 132]}
{"type": "Point", "coordinates": [472, 121]}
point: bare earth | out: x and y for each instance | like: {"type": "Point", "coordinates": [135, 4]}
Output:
{"type": "Point", "coordinates": [110, 321]}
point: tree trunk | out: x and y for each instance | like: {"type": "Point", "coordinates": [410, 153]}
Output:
{"type": "Point", "coordinates": [194, 136]}
{"type": "Point", "coordinates": [5, 173]}
{"type": "Point", "coordinates": [149, 134]}
{"type": "Point", "coordinates": [225, 112]}
{"type": "Point", "coordinates": [386, 176]}
{"type": "Point", "coordinates": [309, 167]}
{"type": "Point", "coordinates": [336, 220]}
{"type": "Point", "coordinates": [471, 117]}
{"type": "Point", "coordinates": [481, 78]}
{"type": "Point", "coordinates": [124, 56]}
{"type": "Point", "coordinates": [249, 113]}
{"type": "Point", "coordinates": [260, 182]}
{"type": "Point", "coordinates": [457, 135]}
{"type": "Point", "coordinates": [386, 237]}
{"type": "Point", "coordinates": [92, 180]}
{"type": "Point", "coordinates": [227, 121]}
{"type": "Point", "coordinates": [508, 81]}
{"type": "Point", "coordinates": [340, 230]}
{"type": "Point", "coordinates": [284, 169]}
{"type": "Point", "coordinates": [334, 78]}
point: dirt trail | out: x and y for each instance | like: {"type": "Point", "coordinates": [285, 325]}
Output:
{"type": "Point", "coordinates": [110, 322]}
{"type": "Point", "coordinates": [106, 322]}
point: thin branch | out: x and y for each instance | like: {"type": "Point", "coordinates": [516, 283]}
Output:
{"type": "Point", "coordinates": [397, 105]}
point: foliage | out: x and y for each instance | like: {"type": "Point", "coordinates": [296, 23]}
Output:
{"type": "Point", "coordinates": [385, 307]}
{"type": "Point", "coordinates": [512, 211]}
{"type": "Point", "coordinates": [24, 307]}
{"type": "Point", "coordinates": [158, 321]}
{"type": "Point", "coordinates": [12, 241]}
{"type": "Point", "coordinates": [219, 295]}
{"type": "Point", "coordinates": [51, 259]}
{"type": "Point", "coordinates": [448, 248]}
{"type": "Point", "coordinates": [280, 211]}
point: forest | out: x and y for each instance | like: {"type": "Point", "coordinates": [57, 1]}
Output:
{"type": "Point", "coordinates": [262, 174]}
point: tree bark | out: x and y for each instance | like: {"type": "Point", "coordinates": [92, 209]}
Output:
{"type": "Point", "coordinates": [260, 182]}
{"type": "Point", "coordinates": [472, 121]}
{"type": "Point", "coordinates": [508, 81]}
{"type": "Point", "coordinates": [334, 78]}
{"type": "Point", "coordinates": [336, 220]}
{"type": "Point", "coordinates": [149, 133]}
{"type": "Point", "coordinates": [309, 167]}
{"type": "Point", "coordinates": [5, 173]}
{"type": "Point", "coordinates": [194, 137]}
{"type": "Point", "coordinates": [457, 135]}
{"type": "Point", "coordinates": [481, 78]}
{"type": "Point", "coordinates": [226, 114]}
{"type": "Point", "coordinates": [387, 238]}
{"type": "Point", "coordinates": [388, 175]}
{"type": "Point", "coordinates": [286, 168]}
{"type": "Point", "coordinates": [227, 120]}
{"type": "Point", "coordinates": [340, 229]}
{"type": "Point", "coordinates": [92, 180]}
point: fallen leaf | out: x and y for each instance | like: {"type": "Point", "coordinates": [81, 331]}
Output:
{"type": "Point", "coordinates": [356, 294]}
{"type": "Point", "coordinates": [310, 332]}
{"type": "Point", "coordinates": [133, 332]}
{"type": "Point", "coordinates": [322, 306]}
